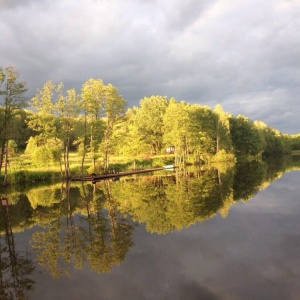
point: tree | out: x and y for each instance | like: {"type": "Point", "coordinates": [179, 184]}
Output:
{"type": "Point", "coordinates": [54, 119]}
{"type": "Point", "coordinates": [67, 108]}
{"type": "Point", "coordinates": [176, 129]}
{"type": "Point", "coordinates": [245, 137]}
{"type": "Point", "coordinates": [202, 132]}
{"type": "Point", "coordinates": [43, 121]}
{"type": "Point", "coordinates": [274, 142]}
{"type": "Point", "coordinates": [127, 139]}
{"type": "Point", "coordinates": [149, 119]}
{"type": "Point", "coordinates": [223, 139]}
{"type": "Point", "coordinates": [92, 93]}
{"type": "Point", "coordinates": [113, 108]}
{"type": "Point", "coordinates": [100, 103]}
{"type": "Point", "coordinates": [12, 100]}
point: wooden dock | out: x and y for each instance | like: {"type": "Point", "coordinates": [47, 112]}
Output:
{"type": "Point", "coordinates": [96, 177]}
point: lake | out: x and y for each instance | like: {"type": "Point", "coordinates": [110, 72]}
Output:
{"type": "Point", "coordinates": [199, 233]}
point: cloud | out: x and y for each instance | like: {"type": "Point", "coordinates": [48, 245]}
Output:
{"type": "Point", "coordinates": [207, 53]}
{"type": "Point", "coordinates": [13, 4]}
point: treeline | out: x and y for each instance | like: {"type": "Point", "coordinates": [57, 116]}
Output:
{"type": "Point", "coordinates": [95, 122]}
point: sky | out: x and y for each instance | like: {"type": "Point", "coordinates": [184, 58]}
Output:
{"type": "Point", "coordinates": [242, 54]}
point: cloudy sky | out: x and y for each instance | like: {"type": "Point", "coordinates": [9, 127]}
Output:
{"type": "Point", "coordinates": [243, 54]}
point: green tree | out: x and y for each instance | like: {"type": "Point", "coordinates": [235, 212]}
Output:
{"type": "Point", "coordinates": [92, 94]}
{"type": "Point", "coordinates": [54, 120]}
{"type": "Point", "coordinates": [245, 137]}
{"type": "Point", "coordinates": [113, 109]}
{"type": "Point", "coordinates": [101, 104]}
{"type": "Point", "coordinates": [223, 138]}
{"type": "Point", "coordinates": [67, 108]}
{"type": "Point", "coordinates": [149, 119]}
{"type": "Point", "coordinates": [176, 129]}
{"type": "Point", "coordinates": [274, 142]}
{"type": "Point", "coordinates": [12, 100]}
{"type": "Point", "coordinates": [42, 121]}
{"type": "Point", "coordinates": [127, 138]}
{"type": "Point", "coordinates": [202, 132]}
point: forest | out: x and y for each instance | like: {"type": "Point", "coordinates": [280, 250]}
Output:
{"type": "Point", "coordinates": [97, 125]}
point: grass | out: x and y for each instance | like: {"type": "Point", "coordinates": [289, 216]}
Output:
{"type": "Point", "coordinates": [22, 169]}
{"type": "Point", "coordinates": [295, 152]}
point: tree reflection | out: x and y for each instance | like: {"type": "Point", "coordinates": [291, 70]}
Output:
{"type": "Point", "coordinates": [16, 267]}
{"type": "Point", "coordinates": [110, 235]}
{"type": "Point", "coordinates": [193, 195]}
{"type": "Point", "coordinates": [99, 235]}
{"type": "Point", "coordinates": [88, 224]}
{"type": "Point", "coordinates": [174, 202]}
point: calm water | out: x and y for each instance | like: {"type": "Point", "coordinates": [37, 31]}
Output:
{"type": "Point", "coordinates": [201, 234]}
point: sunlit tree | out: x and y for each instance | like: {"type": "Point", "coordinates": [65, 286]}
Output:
{"type": "Point", "coordinates": [176, 129]}
{"type": "Point", "coordinates": [245, 137]}
{"type": "Point", "coordinates": [43, 120]}
{"type": "Point", "coordinates": [12, 100]}
{"type": "Point", "coordinates": [102, 106]}
{"type": "Point", "coordinates": [223, 138]}
{"type": "Point", "coordinates": [67, 108]}
{"type": "Point", "coordinates": [149, 121]}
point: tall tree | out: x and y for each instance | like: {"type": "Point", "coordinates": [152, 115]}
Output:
{"type": "Point", "coordinates": [67, 108]}
{"type": "Point", "coordinates": [113, 108]}
{"type": "Point", "coordinates": [92, 94]}
{"type": "Point", "coordinates": [150, 121]}
{"type": "Point", "coordinates": [127, 138]}
{"type": "Point", "coordinates": [202, 131]}
{"type": "Point", "coordinates": [245, 136]}
{"type": "Point", "coordinates": [12, 100]}
{"type": "Point", "coordinates": [176, 129]}
{"type": "Point", "coordinates": [101, 103]}
{"type": "Point", "coordinates": [223, 139]}
{"type": "Point", "coordinates": [43, 121]}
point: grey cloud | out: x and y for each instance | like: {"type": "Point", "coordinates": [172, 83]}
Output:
{"type": "Point", "coordinates": [194, 51]}
{"type": "Point", "coordinates": [12, 4]}
{"type": "Point", "coordinates": [179, 15]}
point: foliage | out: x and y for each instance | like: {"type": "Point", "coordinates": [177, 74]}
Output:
{"type": "Point", "coordinates": [96, 124]}
{"type": "Point", "coordinates": [12, 100]}
{"type": "Point", "coordinates": [100, 101]}
{"type": "Point", "coordinates": [176, 128]}
{"type": "Point", "coordinates": [245, 137]}
{"type": "Point", "coordinates": [149, 121]}
{"type": "Point", "coordinates": [26, 176]}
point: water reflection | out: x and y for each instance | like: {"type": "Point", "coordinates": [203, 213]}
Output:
{"type": "Point", "coordinates": [82, 223]}
{"type": "Point", "coordinates": [16, 267]}
{"type": "Point", "coordinates": [98, 236]}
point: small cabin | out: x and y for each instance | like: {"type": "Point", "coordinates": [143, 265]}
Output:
{"type": "Point", "coordinates": [170, 150]}
{"type": "Point", "coordinates": [5, 201]}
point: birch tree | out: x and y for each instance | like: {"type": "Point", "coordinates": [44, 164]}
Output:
{"type": "Point", "coordinates": [101, 103]}
{"type": "Point", "coordinates": [67, 109]}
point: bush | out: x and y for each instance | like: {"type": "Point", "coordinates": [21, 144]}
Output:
{"type": "Point", "coordinates": [34, 176]}
{"type": "Point", "coordinates": [43, 155]}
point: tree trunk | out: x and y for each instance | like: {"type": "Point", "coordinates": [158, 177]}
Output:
{"type": "Point", "coordinates": [66, 159]}
{"type": "Point", "coordinates": [4, 183]}
{"type": "Point", "coordinates": [217, 142]}
{"type": "Point", "coordinates": [84, 144]}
